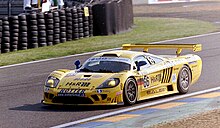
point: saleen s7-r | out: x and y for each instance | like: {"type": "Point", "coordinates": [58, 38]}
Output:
{"type": "Point", "coordinates": [124, 76]}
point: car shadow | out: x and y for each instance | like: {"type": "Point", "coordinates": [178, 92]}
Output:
{"type": "Point", "coordinates": [57, 108]}
{"type": "Point", "coordinates": [47, 108]}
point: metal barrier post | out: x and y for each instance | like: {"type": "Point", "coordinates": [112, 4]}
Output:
{"type": "Point", "coordinates": [9, 7]}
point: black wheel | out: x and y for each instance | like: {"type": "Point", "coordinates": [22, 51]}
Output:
{"type": "Point", "coordinates": [63, 29]}
{"type": "Point", "coordinates": [63, 18]}
{"type": "Point", "coordinates": [15, 26]}
{"type": "Point", "coordinates": [33, 22]}
{"type": "Point", "coordinates": [15, 30]}
{"type": "Point", "coordinates": [34, 28]}
{"type": "Point", "coordinates": [56, 25]}
{"type": "Point", "coordinates": [56, 20]}
{"type": "Point", "coordinates": [23, 28]}
{"type": "Point", "coordinates": [6, 34]}
{"type": "Point", "coordinates": [63, 23]}
{"type": "Point", "coordinates": [22, 17]}
{"type": "Point", "coordinates": [40, 16]}
{"type": "Point", "coordinates": [6, 27]}
{"type": "Point", "coordinates": [41, 21]}
{"type": "Point", "coordinates": [130, 92]}
{"type": "Point", "coordinates": [50, 32]}
{"type": "Point", "coordinates": [41, 27]}
{"type": "Point", "coordinates": [184, 79]}
{"type": "Point", "coordinates": [56, 14]}
{"type": "Point", "coordinates": [62, 40]}
{"type": "Point", "coordinates": [50, 21]}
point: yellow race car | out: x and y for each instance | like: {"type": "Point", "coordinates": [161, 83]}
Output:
{"type": "Point", "coordinates": [124, 76]}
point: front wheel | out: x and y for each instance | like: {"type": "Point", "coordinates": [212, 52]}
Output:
{"type": "Point", "coordinates": [184, 79]}
{"type": "Point", "coordinates": [130, 92]}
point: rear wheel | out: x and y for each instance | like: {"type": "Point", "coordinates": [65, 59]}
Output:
{"type": "Point", "coordinates": [184, 79]}
{"type": "Point", "coordinates": [130, 92]}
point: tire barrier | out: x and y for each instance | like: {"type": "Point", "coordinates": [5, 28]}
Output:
{"type": "Point", "coordinates": [49, 28]}
{"type": "Point", "coordinates": [69, 25]}
{"type": "Point", "coordinates": [80, 22]}
{"type": "Point", "coordinates": [14, 32]}
{"type": "Point", "coordinates": [33, 30]}
{"type": "Point", "coordinates": [112, 16]}
{"type": "Point", "coordinates": [56, 19]}
{"type": "Point", "coordinates": [62, 26]}
{"type": "Point", "coordinates": [0, 35]}
{"type": "Point", "coordinates": [23, 33]}
{"type": "Point", "coordinates": [5, 35]}
{"type": "Point", "coordinates": [42, 36]}
{"type": "Point", "coordinates": [75, 24]}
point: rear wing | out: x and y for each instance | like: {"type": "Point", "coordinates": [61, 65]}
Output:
{"type": "Point", "coordinates": [178, 47]}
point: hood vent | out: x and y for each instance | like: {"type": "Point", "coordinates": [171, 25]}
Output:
{"type": "Point", "coordinates": [87, 75]}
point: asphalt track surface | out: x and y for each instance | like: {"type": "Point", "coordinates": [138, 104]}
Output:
{"type": "Point", "coordinates": [22, 86]}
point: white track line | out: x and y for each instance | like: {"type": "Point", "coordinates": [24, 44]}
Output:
{"type": "Point", "coordinates": [135, 108]}
{"type": "Point", "coordinates": [8, 66]}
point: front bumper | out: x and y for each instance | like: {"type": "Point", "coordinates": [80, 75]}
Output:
{"type": "Point", "coordinates": [110, 96]}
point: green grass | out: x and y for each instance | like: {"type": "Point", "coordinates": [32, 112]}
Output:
{"type": "Point", "coordinates": [145, 30]}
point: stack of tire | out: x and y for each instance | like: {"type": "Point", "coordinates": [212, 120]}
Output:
{"type": "Point", "coordinates": [62, 26]}
{"type": "Point", "coordinates": [56, 19]}
{"type": "Point", "coordinates": [23, 33]}
{"type": "Point", "coordinates": [75, 23]}
{"type": "Point", "coordinates": [5, 35]}
{"type": "Point", "coordinates": [0, 35]}
{"type": "Point", "coordinates": [69, 25]}
{"type": "Point", "coordinates": [80, 22]}
{"type": "Point", "coordinates": [85, 23]}
{"type": "Point", "coordinates": [90, 21]}
{"type": "Point", "coordinates": [14, 32]}
{"type": "Point", "coordinates": [49, 28]}
{"type": "Point", "coordinates": [32, 30]}
{"type": "Point", "coordinates": [42, 35]}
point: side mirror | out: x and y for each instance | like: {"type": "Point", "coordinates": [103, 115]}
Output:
{"type": "Point", "coordinates": [138, 67]}
{"type": "Point", "coordinates": [139, 64]}
{"type": "Point", "coordinates": [77, 64]}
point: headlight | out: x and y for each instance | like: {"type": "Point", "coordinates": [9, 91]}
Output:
{"type": "Point", "coordinates": [112, 82]}
{"type": "Point", "coordinates": [52, 82]}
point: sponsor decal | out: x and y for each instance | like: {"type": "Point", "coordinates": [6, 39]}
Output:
{"type": "Point", "coordinates": [156, 78]}
{"type": "Point", "coordinates": [193, 62]}
{"type": "Point", "coordinates": [96, 76]}
{"type": "Point", "coordinates": [126, 60]}
{"type": "Point", "coordinates": [82, 79]}
{"type": "Point", "coordinates": [118, 93]}
{"type": "Point", "coordinates": [72, 92]}
{"type": "Point", "coordinates": [71, 74]}
{"type": "Point", "coordinates": [80, 84]}
{"type": "Point", "coordinates": [174, 78]}
{"type": "Point", "coordinates": [99, 91]}
{"type": "Point", "coordinates": [156, 91]}
{"type": "Point", "coordinates": [146, 81]}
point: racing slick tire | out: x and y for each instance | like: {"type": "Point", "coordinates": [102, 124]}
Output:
{"type": "Point", "coordinates": [184, 79]}
{"type": "Point", "coordinates": [130, 92]}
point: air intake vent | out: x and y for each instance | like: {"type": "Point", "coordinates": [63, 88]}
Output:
{"type": "Point", "coordinates": [87, 75]}
{"type": "Point", "coordinates": [109, 55]}
{"type": "Point", "coordinates": [167, 75]}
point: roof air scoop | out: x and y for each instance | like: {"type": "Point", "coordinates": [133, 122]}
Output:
{"type": "Point", "coordinates": [110, 55]}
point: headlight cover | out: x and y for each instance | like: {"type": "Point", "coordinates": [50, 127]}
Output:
{"type": "Point", "coordinates": [110, 83]}
{"type": "Point", "coordinates": [52, 82]}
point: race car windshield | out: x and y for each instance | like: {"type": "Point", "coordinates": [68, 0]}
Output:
{"type": "Point", "coordinates": [105, 66]}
